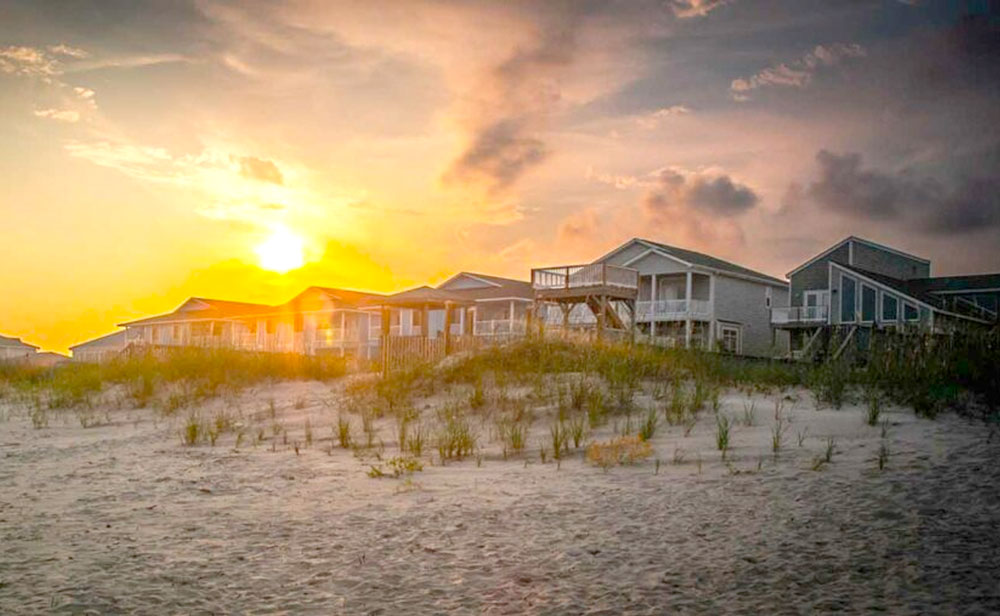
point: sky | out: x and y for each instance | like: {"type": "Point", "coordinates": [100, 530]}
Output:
{"type": "Point", "coordinates": [154, 151]}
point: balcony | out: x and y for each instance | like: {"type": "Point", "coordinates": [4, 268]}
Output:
{"type": "Point", "coordinates": [580, 280]}
{"type": "Point", "coordinates": [499, 327]}
{"type": "Point", "coordinates": [800, 315]}
{"type": "Point", "coordinates": [672, 309]}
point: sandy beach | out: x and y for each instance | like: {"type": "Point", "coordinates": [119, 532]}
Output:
{"type": "Point", "coordinates": [122, 517]}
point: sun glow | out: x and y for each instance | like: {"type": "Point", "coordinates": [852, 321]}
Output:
{"type": "Point", "coordinates": [281, 251]}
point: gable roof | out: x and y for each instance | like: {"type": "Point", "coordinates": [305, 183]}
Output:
{"type": "Point", "coordinates": [421, 295]}
{"type": "Point", "coordinates": [699, 259]}
{"type": "Point", "coordinates": [15, 343]}
{"type": "Point", "coordinates": [201, 308]}
{"type": "Point", "coordinates": [494, 287]}
{"type": "Point", "coordinates": [859, 240]}
{"type": "Point", "coordinates": [117, 339]}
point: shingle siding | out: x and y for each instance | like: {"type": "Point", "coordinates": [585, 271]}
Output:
{"type": "Point", "coordinates": [743, 301]}
{"type": "Point", "coordinates": [888, 263]}
{"type": "Point", "coordinates": [815, 276]}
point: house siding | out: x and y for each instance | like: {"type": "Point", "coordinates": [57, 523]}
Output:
{"type": "Point", "coordinates": [743, 302]}
{"type": "Point", "coordinates": [626, 255]}
{"type": "Point", "coordinates": [888, 263]}
{"type": "Point", "coordinates": [815, 276]}
{"type": "Point", "coordinates": [654, 264]}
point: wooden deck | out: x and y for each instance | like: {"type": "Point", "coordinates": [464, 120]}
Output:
{"type": "Point", "coordinates": [578, 282]}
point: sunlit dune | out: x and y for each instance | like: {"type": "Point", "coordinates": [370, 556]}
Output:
{"type": "Point", "coordinates": [282, 251]}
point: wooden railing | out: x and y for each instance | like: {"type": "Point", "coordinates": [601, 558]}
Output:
{"type": "Point", "coordinates": [583, 276]}
{"type": "Point", "coordinates": [500, 327]}
{"type": "Point", "coordinates": [799, 314]}
{"type": "Point", "coordinates": [672, 309]}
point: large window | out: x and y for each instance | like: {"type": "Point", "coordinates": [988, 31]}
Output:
{"type": "Point", "coordinates": [890, 308]}
{"type": "Point", "coordinates": [867, 303]}
{"type": "Point", "coordinates": [910, 312]}
{"type": "Point", "coordinates": [848, 293]}
{"type": "Point", "coordinates": [730, 339]}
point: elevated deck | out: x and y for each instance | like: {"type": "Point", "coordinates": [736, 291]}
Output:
{"type": "Point", "coordinates": [577, 282]}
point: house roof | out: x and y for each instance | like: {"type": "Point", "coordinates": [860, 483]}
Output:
{"type": "Point", "coordinates": [858, 240]}
{"type": "Point", "coordinates": [693, 257]}
{"type": "Point", "coordinates": [957, 284]}
{"type": "Point", "coordinates": [901, 286]}
{"type": "Point", "coordinates": [116, 339]}
{"type": "Point", "coordinates": [201, 308]}
{"type": "Point", "coordinates": [306, 301]}
{"type": "Point", "coordinates": [492, 287]}
{"type": "Point", "coordinates": [421, 295]}
{"type": "Point", "coordinates": [9, 342]}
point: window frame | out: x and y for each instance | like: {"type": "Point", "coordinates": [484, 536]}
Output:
{"type": "Point", "coordinates": [854, 299]}
{"type": "Point", "coordinates": [895, 313]}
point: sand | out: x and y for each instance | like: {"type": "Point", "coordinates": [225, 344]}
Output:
{"type": "Point", "coordinates": [123, 518]}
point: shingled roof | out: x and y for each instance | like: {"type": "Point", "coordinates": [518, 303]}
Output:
{"type": "Point", "coordinates": [699, 258]}
{"type": "Point", "coordinates": [493, 287]}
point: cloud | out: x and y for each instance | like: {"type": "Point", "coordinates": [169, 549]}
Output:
{"type": "Point", "coordinates": [27, 61]}
{"type": "Point", "coordinates": [797, 74]}
{"type": "Point", "coordinates": [707, 193]}
{"type": "Point", "coordinates": [653, 120]}
{"type": "Point", "coordinates": [686, 9]}
{"type": "Point", "coordinates": [253, 168]}
{"type": "Point", "coordinates": [582, 225]}
{"type": "Point", "coordinates": [921, 204]}
{"type": "Point", "coordinates": [66, 50]}
{"type": "Point", "coordinates": [498, 154]}
{"type": "Point", "coordinates": [519, 92]}
{"type": "Point", "coordinates": [62, 115]}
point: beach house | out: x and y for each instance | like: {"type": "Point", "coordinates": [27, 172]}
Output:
{"type": "Point", "coordinates": [860, 284]}
{"type": "Point", "coordinates": [13, 349]}
{"type": "Point", "coordinates": [100, 350]}
{"type": "Point", "coordinates": [681, 297]}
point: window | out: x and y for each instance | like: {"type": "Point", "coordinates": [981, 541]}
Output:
{"type": "Point", "coordinates": [730, 339]}
{"type": "Point", "coordinates": [767, 297]}
{"type": "Point", "coordinates": [890, 308]}
{"type": "Point", "coordinates": [848, 291]}
{"type": "Point", "coordinates": [867, 303]}
{"type": "Point", "coordinates": [216, 328]}
{"type": "Point", "coordinates": [418, 316]}
{"type": "Point", "coordinates": [910, 312]}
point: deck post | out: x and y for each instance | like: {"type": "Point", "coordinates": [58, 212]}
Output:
{"type": "Point", "coordinates": [652, 311]}
{"type": "Point", "coordinates": [565, 311]}
{"type": "Point", "coordinates": [385, 340]}
{"type": "Point", "coordinates": [447, 327]}
{"type": "Point", "coordinates": [600, 317]}
{"type": "Point", "coordinates": [688, 325]}
{"type": "Point", "coordinates": [425, 328]}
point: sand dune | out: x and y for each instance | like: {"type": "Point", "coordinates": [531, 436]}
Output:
{"type": "Point", "coordinates": [122, 518]}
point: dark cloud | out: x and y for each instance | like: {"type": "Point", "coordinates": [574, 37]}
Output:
{"type": "Point", "coordinates": [718, 195]}
{"type": "Point", "coordinates": [519, 92]}
{"type": "Point", "coordinates": [253, 168]}
{"type": "Point", "coordinates": [500, 153]}
{"type": "Point", "coordinates": [922, 204]}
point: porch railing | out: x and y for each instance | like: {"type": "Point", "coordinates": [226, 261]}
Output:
{"type": "Point", "coordinates": [583, 276]}
{"type": "Point", "coordinates": [499, 327]}
{"type": "Point", "coordinates": [665, 310]}
{"type": "Point", "coordinates": [799, 314]}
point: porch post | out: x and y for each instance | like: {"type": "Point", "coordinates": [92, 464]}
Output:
{"type": "Point", "coordinates": [385, 340]}
{"type": "Point", "coordinates": [425, 321]}
{"type": "Point", "coordinates": [687, 321]}
{"type": "Point", "coordinates": [343, 333]}
{"type": "Point", "coordinates": [447, 327]}
{"type": "Point", "coordinates": [711, 308]}
{"type": "Point", "coordinates": [652, 311]}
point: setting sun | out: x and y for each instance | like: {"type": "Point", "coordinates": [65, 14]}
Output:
{"type": "Point", "coordinates": [281, 251]}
